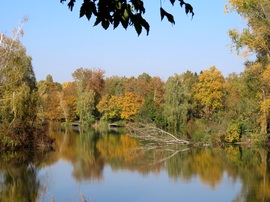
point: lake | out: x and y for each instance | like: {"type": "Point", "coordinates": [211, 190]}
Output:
{"type": "Point", "coordinates": [112, 166]}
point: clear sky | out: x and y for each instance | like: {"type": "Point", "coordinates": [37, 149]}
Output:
{"type": "Point", "coordinates": [59, 41]}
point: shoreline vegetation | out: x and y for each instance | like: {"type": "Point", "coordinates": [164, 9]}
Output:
{"type": "Point", "coordinates": [29, 139]}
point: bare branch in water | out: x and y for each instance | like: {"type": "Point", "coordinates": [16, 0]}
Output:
{"type": "Point", "coordinates": [152, 133]}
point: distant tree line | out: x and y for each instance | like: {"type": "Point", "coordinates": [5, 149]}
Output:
{"type": "Point", "coordinates": [232, 107]}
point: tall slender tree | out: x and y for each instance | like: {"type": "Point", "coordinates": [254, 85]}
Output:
{"type": "Point", "coordinates": [178, 100]}
{"type": "Point", "coordinates": [90, 84]}
{"type": "Point", "coordinates": [18, 91]}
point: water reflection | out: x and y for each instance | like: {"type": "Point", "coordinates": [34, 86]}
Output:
{"type": "Point", "coordinates": [91, 152]}
{"type": "Point", "coordinates": [18, 181]}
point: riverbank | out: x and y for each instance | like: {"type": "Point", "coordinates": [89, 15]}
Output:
{"type": "Point", "coordinates": [32, 138]}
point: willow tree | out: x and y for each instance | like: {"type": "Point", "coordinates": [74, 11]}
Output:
{"type": "Point", "coordinates": [18, 92]}
{"type": "Point", "coordinates": [178, 99]}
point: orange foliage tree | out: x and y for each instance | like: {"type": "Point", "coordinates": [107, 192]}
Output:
{"type": "Point", "coordinates": [131, 103]}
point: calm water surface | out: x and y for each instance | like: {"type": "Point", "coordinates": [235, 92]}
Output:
{"type": "Point", "coordinates": [111, 166]}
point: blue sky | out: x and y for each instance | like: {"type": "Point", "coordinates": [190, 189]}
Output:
{"type": "Point", "coordinates": [59, 41]}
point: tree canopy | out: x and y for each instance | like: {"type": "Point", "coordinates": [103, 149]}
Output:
{"type": "Point", "coordinates": [128, 13]}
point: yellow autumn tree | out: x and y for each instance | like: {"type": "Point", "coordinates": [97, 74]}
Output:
{"type": "Point", "coordinates": [68, 101]}
{"type": "Point", "coordinates": [130, 104]}
{"type": "Point", "coordinates": [210, 90]}
{"type": "Point", "coordinates": [110, 107]}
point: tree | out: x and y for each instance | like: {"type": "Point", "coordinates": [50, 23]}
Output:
{"type": "Point", "coordinates": [256, 37]}
{"type": "Point", "coordinates": [128, 13]}
{"type": "Point", "coordinates": [49, 92]}
{"type": "Point", "coordinates": [113, 86]}
{"type": "Point", "coordinates": [210, 90]}
{"type": "Point", "coordinates": [156, 87]}
{"type": "Point", "coordinates": [18, 91]}
{"type": "Point", "coordinates": [110, 107]}
{"type": "Point", "coordinates": [86, 106]}
{"type": "Point", "coordinates": [68, 101]}
{"type": "Point", "coordinates": [153, 94]}
{"type": "Point", "coordinates": [178, 100]}
{"type": "Point", "coordinates": [90, 84]}
{"type": "Point", "coordinates": [130, 104]}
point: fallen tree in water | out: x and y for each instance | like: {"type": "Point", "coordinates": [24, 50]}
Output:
{"type": "Point", "coordinates": [152, 133]}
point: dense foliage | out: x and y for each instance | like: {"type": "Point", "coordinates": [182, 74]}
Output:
{"type": "Point", "coordinates": [18, 92]}
{"type": "Point", "coordinates": [19, 99]}
{"type": "Point", "coordinates": [228, 109]}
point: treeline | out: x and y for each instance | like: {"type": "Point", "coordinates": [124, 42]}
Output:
{"type": "Point", "coordinates": [223, 108]}
{"type": "Point", "coordinates": [230, 107]}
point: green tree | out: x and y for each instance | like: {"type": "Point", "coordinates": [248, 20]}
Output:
{"type": "Point", "coordinates": [18, 91]}
{"type": "Point", "coordinates": [128, 13]}
{"type": "Point", "coordinates": [113, 86]}
{"type": "Point", "coordinates": [150, 111]}
{"type": "Point", "coordinates": [178, 100]}
{"type": "Point", "coordinates": [255, 38]}
{"type": "Point", "coordinates": [86, 106]}
{"type": "Point", "coordinates": [90, 84]}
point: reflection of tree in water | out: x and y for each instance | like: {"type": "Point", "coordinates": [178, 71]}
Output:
{"type": "Point", "coordinates": [20, 181]}
{"type": "Point", "coordinates": [89, 152]}
{"type": "Point", "coordinates": [253, 169]}
{"type": "Point", "coordinates": [205, 163]}
{"type": "Point", "coordinates": [78, 147]}
{"type": "Point", "coordinates": [125, 152]}
{"type": "Point", "coordinates": [89, 165]}
{"type": "Point", "coordinates": [250, 165]}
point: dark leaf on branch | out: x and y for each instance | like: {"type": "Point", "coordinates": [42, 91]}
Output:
{"type": "Point", "coordinates": [139, 23]}
{"type": "Point", "coordinates": [182, 3]}
{"type": "Point", "coordinates": [189, 9]}
{"type": "Point", "coordinates": [138, 5]}
{"type": "Point", "coordinates": [138, 28]}
{"type": "Point", "coordinates": [145, 24]}
{"type": "Point", "coordinates": [124, 22]}
{"type": "Point", "coordinates": [116, 20]}
{"type": "Point", "coordinates": [172, 2]}
{"type": "Point", "coordinates": [98, 20]}
{"type": "Point", "coordinates": [162, 13]}
{"type": "Point", "coordinates": [71, 4]}
{"type": "Point", "coordinates": [105, 23]}
{"type": "Point", "coordinates": [86, 10]}
{"type": "Point", "coordinates": [168, 15]}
